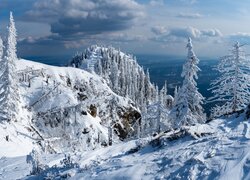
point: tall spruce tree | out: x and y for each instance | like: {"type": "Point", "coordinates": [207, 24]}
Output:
{"type": "Point", "coordinates": [1, 53]}
{"type": "Point", "coordinates": [231, 89]}
{"type": "Point", "coordinates": [9, 97]}
{"type": "Point", "coordinates": [114, 76]}
{"type": "Point", "coordinates": [187, 109]}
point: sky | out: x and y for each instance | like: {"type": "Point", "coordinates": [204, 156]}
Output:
{"type": "Point", "coordinates": [64, 27]}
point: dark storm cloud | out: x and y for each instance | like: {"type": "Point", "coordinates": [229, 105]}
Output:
{"type": "Point", "coordinates": [77, 23]}
{"type": "Point", "coordinates": [82, 17]}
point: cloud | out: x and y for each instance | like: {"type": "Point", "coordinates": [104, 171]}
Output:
{"type": "Point", "coordinates": [114, 38]}
{"type": "Point", "coordinates": [55, 43]}
{"type": "Point", "coordinates": [189, 15]}
{"type": "Point", "coordinates": [158, 30]}
{"type": "Point", "coordinates": [81, 17]}
{"type": "Point", "coordinates": [185, 32]}
{"type": "Point", "coordinates": [124, 37]}
{"type": "Point", "coordinates": [211, 33]}
{"type": "Point", "coordinates": [79, 23]}
{"type": "Point", "coordinates": [181, 34]}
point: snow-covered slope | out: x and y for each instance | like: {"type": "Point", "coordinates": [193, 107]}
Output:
{"type": "Point", "coordinates": [64, 109]}
{"type": "Point", "coordinates": [217, 150]}
{"type": "Point", "coordinates": [15, 139]}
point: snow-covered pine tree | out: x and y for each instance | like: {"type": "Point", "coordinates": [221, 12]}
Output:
{"type": "Point", "coordinates": [2, 63]}
{"type": "Point", "coordinates": [1, 49]}
{"type": "Point", "coordinates": [2, 68]}
{"type": "Point", "coordinates": [147, 88]}
{"type": "Point", "coordinates": [9, 97]}
{"type": "Point", "coordinates": [114, 75]}
{"type": "Point", "coordinates": [122, 81]}
{"type": "Point", "coordinates": [163, 94]}
{"type": "Point", "coordinates": [231, 89]}
{"type": "Point", "coordinates": [176, 89]}
{"type": "Point", "coordinates": [141, 90]}
{"type": "Point", "coordinates": [35, 160]}
{"type": "Point", "coordinates": [156, 99]}
{"type": "Point", "coordinates": [188, 109]}
{"type": "Point", "coordinates": [99, 67]}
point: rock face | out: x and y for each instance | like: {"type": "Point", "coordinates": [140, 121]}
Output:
{"type": "Point", "coordinates": [129, 117]}
{"type": "Point", "coordinates": [93, 110]}
{"type": "Point", "coordinates": [72, 108]}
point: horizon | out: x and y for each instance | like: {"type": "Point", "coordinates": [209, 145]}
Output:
{"type": "Point", "coordinates": [64, 59]}
{"type": "Point", "coordinates": [138, 57]}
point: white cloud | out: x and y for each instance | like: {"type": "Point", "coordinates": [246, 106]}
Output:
{"type": "Point", "coordinates": [181, 34]}
{"type": "Point", "coordinates": [211, 32]}
{"type": "Point", "coordinates": [158, 30]}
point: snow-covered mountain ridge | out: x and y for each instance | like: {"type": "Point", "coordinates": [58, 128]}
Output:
{"type": "Point", "coordinates": [64, 109]}
{"type": "Point", "coordinates": [121, 71]}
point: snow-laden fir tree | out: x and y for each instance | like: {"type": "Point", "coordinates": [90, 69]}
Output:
{"type": "Point", "coordinates": [176, 89]}
{"type": "Point", "coordinates": [147, 87]}
{"type": "Point", "coordinates": [187, 109]}
{"type": "Point", "coordinates": [163, 95]}
{"type": "Point", "coordinates": [140, 88]}
{"type": "Point", "coordinates": [1, 53]}
{"type": "Point", "coordinates": [9, 97]}
{"type": "Point", "coordinates": [35, 160]}
{"type": "Point", "coordinates": [231, 88]}
{"type": "Point", "coordinates": [114, 75]}
{"type": "Point", "coordinates": [99, 68]}
{"type": "Point", "coordinates": [155, 119]}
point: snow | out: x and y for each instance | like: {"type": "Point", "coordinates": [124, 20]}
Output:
{"type": "Point", "coordinates": [219, 149]}
{"type": "Point", "coordinates": [19, 140]}
{"type": "Point", "coordinates": [222, 152]}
